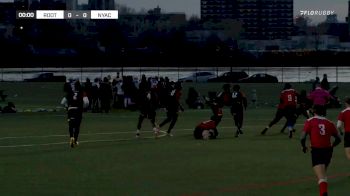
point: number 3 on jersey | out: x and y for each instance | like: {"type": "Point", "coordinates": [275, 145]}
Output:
{"type": "Point", "coordinates": [322, 128]}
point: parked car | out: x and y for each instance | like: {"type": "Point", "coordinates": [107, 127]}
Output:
{"type": "Point", "coordinates": [229, 77]}
{"type": "Point", "coordinates": [201, 76]}
{"type": "Point", "coordinates": [260, 78]}
{"type": "Point", "coordinates": [46, 77]}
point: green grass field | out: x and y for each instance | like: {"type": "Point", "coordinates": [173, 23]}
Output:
{"type": "Point", "coordinates": [35, 158]}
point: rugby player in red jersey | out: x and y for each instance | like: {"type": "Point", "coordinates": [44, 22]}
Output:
{"type": "Point", "coordinates": [286, 108]}
{"type": "Point", "coordinates": [344, 121]}
{"type": "Point", "coordinates": [320, 130]}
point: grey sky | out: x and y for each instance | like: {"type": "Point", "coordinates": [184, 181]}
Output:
{"type": "Point", "coordinates": [192, 7]}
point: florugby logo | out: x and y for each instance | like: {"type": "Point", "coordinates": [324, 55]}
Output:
{"type": "Point", "coordinates": [317, 12]}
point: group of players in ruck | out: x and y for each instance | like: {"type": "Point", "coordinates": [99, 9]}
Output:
{"type": "Point", "coordinates": [152, 94]}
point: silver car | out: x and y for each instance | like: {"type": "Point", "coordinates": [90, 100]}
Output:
{"type": "Point", "coordinates": [201, 76]}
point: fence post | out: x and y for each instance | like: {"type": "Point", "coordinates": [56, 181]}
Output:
{"type": "Point", "coordinates": [140, 75]}
{"type": "Point", "coordinates": [336, 74]}
{"type": "Point", "coordinates": [282, 74]}
{"type": "Point", "coordinates": [81, 74]}
{"type": "Point", "coordinates": [178, 73]}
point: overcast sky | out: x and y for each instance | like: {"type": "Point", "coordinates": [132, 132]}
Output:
{"type": "Point", "coordinates": [192, 7]}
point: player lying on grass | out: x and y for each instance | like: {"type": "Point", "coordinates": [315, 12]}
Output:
{"type": "Point", "coordinates": [206, 130]}
{"type": "Point", "coordinates": [344, 121]}
{"type": "Point", "coordinates": [320, 130]}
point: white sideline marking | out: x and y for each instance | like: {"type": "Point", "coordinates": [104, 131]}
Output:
{"type": "Point", "coordinates": [106, 133]}
{"type": "Point", "coordinates": [91, 141]}
{"type": "Point", "coordinates": [86, 141]}
{"type": "Point", "coordinates": [44, 136]}
{"type": "Point", "coordinates": [233, 127]}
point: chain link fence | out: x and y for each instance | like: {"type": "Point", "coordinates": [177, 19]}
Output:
{"type": "Point", "coordinates": [284, 74]}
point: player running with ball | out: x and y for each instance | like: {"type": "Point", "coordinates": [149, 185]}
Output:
{"type": "Point", "coordinates": [320, 130]}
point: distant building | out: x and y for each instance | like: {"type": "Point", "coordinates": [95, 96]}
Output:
{"type": "Point", "coordinates": [35, 5]}
{"type": "Point", "coordinates": [340, 30]}
{"type": "Point", "coordinates": [83, 6]}
{"type": "Point", "coordinates": [23, 4]}
{"type": "Point", "coordinates": [332, 18]}
{"type": "Point", "coordinates": [136, 23]}
{"type": "Point", "coordinates": [348, 18]}
{"type": "Point", "coordinates": [218, 9]}
{"type": "Point", "coordinates": [53, 4]}
{"type": "Point", "coordinates": [266, 19]}
{"type": "Point", "coordinates": [334, 28]}
{"type": "Point", "coordinates": [71, 4]}
{"type": "Point", "coordinates": [201, 36]}
{"type": "Point", "coordinates": [45, 4]}
{"type": "Point", "coordinates": [261, 19]}
{"type": "Point", "coordinates": [155, 12]}
{"type": "Point", "coordinates": [7, 13]}
{"type": "Point", "coordinates": [102, 4]}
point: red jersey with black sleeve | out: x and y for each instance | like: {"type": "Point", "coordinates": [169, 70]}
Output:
{"type": "Point", "coordinates": [320, 130]}
{"type": "Point", "coordinates": [344, 117]}
{"type": "Point", "coordinates": [206, 125]}
{"type": "Point", "coordinates": [288, 97]}
{"type": "Point", "coordinates": [178, 95]}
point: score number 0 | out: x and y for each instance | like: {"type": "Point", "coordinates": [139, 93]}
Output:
{"type": "Point", "coordinates": [70, 15]}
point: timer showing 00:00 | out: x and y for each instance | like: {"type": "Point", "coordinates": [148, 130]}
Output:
{"type": "Point", "coordinates": [25, 14]}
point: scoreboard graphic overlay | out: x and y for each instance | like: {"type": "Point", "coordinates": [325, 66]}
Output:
{"type": "Point", "coordinates": [67, 14]}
